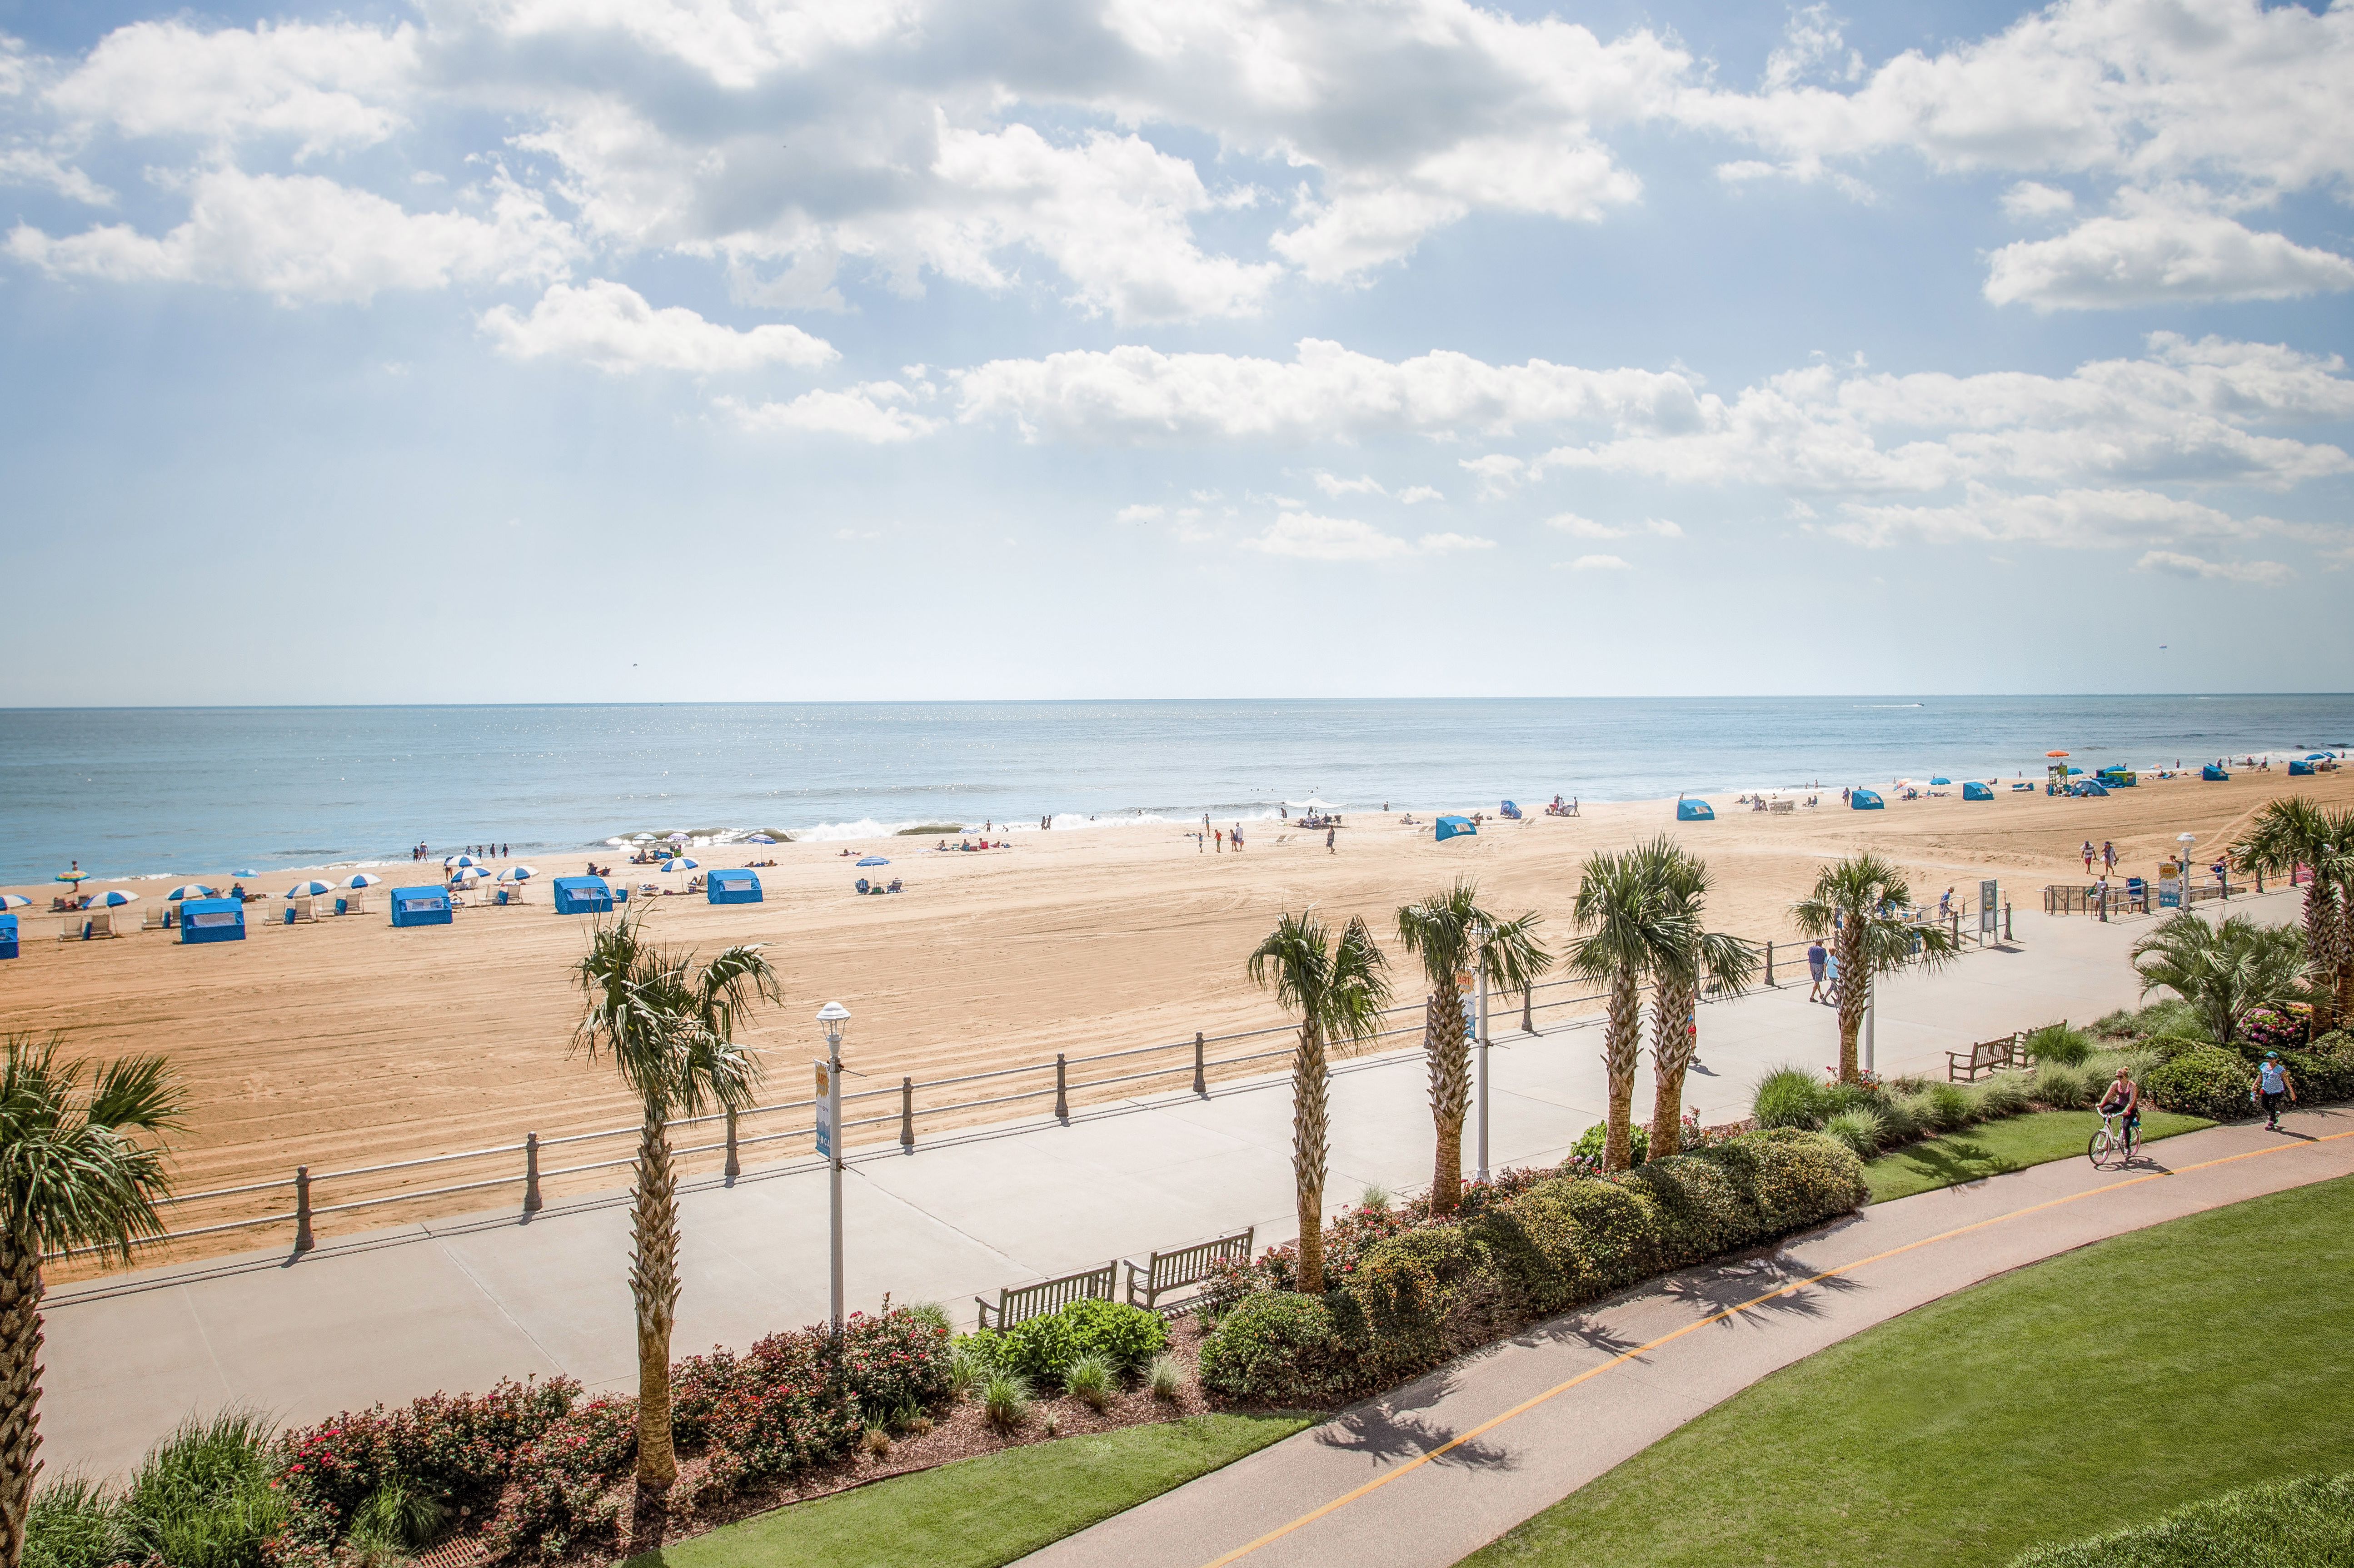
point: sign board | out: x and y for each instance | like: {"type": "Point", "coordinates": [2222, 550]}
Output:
{"type": "Point", "coordinates": [2169, 885]}
{"type": "Point", "coordinates": [826, 1109]}
{"type": "Point", "coordinates": [1990, 896]}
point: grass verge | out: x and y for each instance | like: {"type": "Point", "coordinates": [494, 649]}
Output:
{"type": "Point", "coordinates": [2096, 1390]}
{"type": "Point", "coordinates": [1991, 1147]}
{"type": "Point", "coordinates": [978, 1514]}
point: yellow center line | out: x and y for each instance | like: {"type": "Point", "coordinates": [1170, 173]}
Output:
{"type": "Point", "coordinates": [1645, 1349]}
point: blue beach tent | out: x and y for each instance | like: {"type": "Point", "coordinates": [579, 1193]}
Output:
{"type": "Point", "coordinates": [1449, 827]}
{"type": "Point", "coordinates": [421, 906]}
{"type": "Point", "coordinates": [1939, 779]}
{"type": "Point", "coordinates": [1867, 800]}
{"type": "Point", "coordinates": [1695, 811]}
{"type": "Point", "coordinates": [2300, 769]}
{"type": "Point", "coordinates": [2088, 787]}
{"type": "Point", "coordinates": [1976, 792]}
{"type": "Point", "coordinates": [732, 887]}
{"type": "Point", "coordinates": [212, 921]}
{"type": "Point", "coordinates": [582, 894]}
{"type": "Point", "coordinates": [8, 936]}
{"type": "Point", "coordinates": [2213, 774]}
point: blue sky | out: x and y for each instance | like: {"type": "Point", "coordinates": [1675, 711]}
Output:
{"type": "Point", "coordinates": [488, 350]}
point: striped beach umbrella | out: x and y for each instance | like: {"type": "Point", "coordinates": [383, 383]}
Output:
{"type": "Point", "coordinates": [71, 875]}
{"type": "Point", "coordinates": [518, 873]}
{"type": "Point", "coordinates": [678, 863]}
{"type": "Point", "coordinates": [308, 890]}
{"type": "Point", "coordinates": [248, 871]}
{"type": "Point", "coordinates": [191, 890]}
{"type": "Point", "coordinates": [361, 879]}
{"type": "Point", "coordinates": [112, 898]}
{"type": "Point", "coordinates": [15, 901]}
{"type": "Point", "coordinates": [458, 860]}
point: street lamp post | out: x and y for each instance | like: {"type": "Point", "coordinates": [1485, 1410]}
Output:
{"type": "Point", "coordinates": [1480, 1016]}
{"type": "Point", "coordinates": [834, 1017]}
{"type": "Point", "coordinates": [2182, 869]}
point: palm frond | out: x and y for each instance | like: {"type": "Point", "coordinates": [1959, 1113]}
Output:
{"type": "Point", "coordinates": [72, 1173]}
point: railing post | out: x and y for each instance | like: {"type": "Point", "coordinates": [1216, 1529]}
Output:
{"type": "Point", "coordinates": [303, 1242]}
{"type": "Point", "coordinates": [1201, 1080]}
{"type": "Point", "coordinates": [907, 1115]}
{"type": "Point", "coordinates": [734, 1168]}
{"type": "Point", "coordinates": [531, 1173]}
{"type": "Point", "coordinates": [2006, 920]}
{"type": "Point", "coordinates": [1769, 962]}
{"type": "Point", "coordinates": [1062, 1094]}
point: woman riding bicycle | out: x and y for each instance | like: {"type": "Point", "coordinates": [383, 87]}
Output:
{"type": "Point", "coordinates": [2122, 1099]}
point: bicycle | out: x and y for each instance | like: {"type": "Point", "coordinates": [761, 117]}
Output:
{"type": "Point", "coordinates": [2110, 1138]}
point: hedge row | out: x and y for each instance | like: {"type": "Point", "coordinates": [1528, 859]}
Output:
{"type": "Point", "coordinates": [1401, 1302]}
{"type": "Point", "coordinates": [2215, 1081]}
{"type": "Point", "coordinates": [540, 1467]}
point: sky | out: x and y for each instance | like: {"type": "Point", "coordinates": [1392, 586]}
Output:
{"type": "Point", "coordinates": [655, 350]}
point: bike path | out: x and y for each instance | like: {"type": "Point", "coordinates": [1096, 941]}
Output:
{"type": "Point", "coordinates": [1428, 1473]}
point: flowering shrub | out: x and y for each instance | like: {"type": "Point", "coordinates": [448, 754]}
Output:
{"type": "Point", "coordinates": [2284, 1028]}
{"type": "Point", "coordinates": [563, 1494]}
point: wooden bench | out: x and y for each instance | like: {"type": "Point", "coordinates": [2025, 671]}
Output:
{"type": "Point", "coordinates": [1780, 807]}
{"type": "Point", "coordinates": [1986, 1056]}
{"type": "Point", "coordinates": [1163, 1272]}
{"type": "Point", "coordinates": [1024, 1302]}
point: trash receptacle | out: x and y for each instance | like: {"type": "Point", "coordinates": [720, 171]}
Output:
{"type": "Point", "coordinates": [290, 914]}
{"type": "Point", "coordinates": [343, 906]}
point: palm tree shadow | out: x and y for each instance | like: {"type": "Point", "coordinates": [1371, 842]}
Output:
{"type": "Point", "coordinates": [1956, 1162]}
{"type": "Point", "coordinates": [1381, 1431]}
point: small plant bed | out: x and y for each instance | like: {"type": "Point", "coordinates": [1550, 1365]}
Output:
{"type": "Point", "coordinates": [980, 1512]}
{"type": "Point", "coordinates": [1992, 1148]}
{"type": "Point", "coordinates": [2099, 1389]}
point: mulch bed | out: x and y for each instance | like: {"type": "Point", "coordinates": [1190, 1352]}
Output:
{"type": "Point", "coordinates": [959, 1432]}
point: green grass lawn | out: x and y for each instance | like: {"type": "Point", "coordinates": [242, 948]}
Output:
{"type": "Point", "coordinates": [2014, 1143]}
{"type": "Point", "coordinates": [977, 1513]}
{"type": "Point", "coordinates": [2101, 1388]}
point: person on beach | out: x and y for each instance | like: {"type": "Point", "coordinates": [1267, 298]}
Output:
{"type": "Point", "coordinates": [2109, 856]}
{"type": "Point", "coordinates": [2271, 1086]}
{"type": "Point", "coordinates": [1220, 834]}
{"type": "Point", "coordinates": [2088, 857]}
{"type": "Point", "coordinates": [1328, 842]}
{"type": "Point", "coordinates": [1816, 957]}
{"type": "Point", "coordinates": [1238, 838]}
{"type": "Point", "coordinates": [1945, 905]}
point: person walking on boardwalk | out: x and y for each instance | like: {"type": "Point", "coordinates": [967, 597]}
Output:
{"type": "Point", "coordinates": [2273, 1085]}
{"type": "Point", "coordinates": [1817, 957]}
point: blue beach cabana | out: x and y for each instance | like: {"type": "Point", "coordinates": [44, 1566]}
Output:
{"type": "Point", "coordinates": [2088, 787]}
{"type": "Point", "coordinates": [421, 906]}
{"type": "Point", "coordinates": [2213, 774]}
{"type": "Point", "coordinates": [1695, 811]}
{"type": "Point", "coordinates": [582, 896]}
{"type": "Point", "coordinates": [2300, 769]}
{"type": "Point", "coordinates": [1867, 800]}
{"type": "Point", "coordinates": [732, 886]}
{"type": "Point", "coordinates": [1976, 791]}
{"type": "Point", "coordinates": [212, 921]}
{"type": "Point", "coordinates": [8, 936]}
{"type": "Point", "coordinates": [1450, 827]}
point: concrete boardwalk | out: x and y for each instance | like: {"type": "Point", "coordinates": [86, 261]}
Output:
{"type": "Point", "coordinates": [457, 1304]}
{"type": "Point", "coordinates": [1436, 1469]}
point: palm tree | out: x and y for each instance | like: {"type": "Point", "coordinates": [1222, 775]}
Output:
{"type": "Point", "coordinates": [2224, 972]}
{"type": "Point", "coordinates": [1856, 904]}
{"type": "Point", "coordinates": [81, 1168]}
{"type": "Point", "coordinates": [1712, 960]}
{"type": "Point", "coordinates": [1628, 930]}
{"type": "Point", "coordinates": [1454, 937]}
{"type": "Point", "coordinates": [668, 1028]}
{"type": "Point", "coordinates": [1339, 991]}
{"type": "Point", "coordinates": [2290, 833]}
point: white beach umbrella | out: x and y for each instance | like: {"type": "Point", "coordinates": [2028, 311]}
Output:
{"type": "Point", "coordinates": [15, 901]}
{"type": "Point", "coordinates": [191, 890]}
{"type": "Point", "coordinates": [518, 873]}
{"type": "Point", "coordinates": [308, 890]}
{"type": "Point", "coordinates": [458, 860]}
{"type": "Point", "coordinates": [361, 879]}
{"type": "Point", "coordinates": [677, 838]}
{"type": "Point", "coordinates": [678, 863]}
{"type": "Point", "coordinates": [112, 898]}
{"type": "Point", "coordinates": [467, 873]}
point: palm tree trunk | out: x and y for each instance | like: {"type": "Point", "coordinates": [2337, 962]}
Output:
{"type": "Point", "coordinates": [1451, 1095]}
{"type": "Point", "coordinates": [20, 1390]}
{"type": "Point", "coordinates": [1852, 981]}
{"type": "Point", "coordinates": [653, 1283]}
{"type": "Point", "coordinates": [2341, 951]}
{"type": "Point", "coordinates": [1311, 1133]}
{"type": "Point", "coordinates": [2325, 946]}
{"type": "Point", "coordinates": [1622, 1043]}
{"type": "Point", "coordinates": [1671, 1053]}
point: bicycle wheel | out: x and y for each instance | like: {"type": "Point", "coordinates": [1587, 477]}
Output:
{"type": "Point", "coordinates": [2097, 1152]}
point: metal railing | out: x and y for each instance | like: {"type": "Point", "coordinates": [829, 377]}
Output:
{"type": "Point", "coordinates": [1060, 1079]}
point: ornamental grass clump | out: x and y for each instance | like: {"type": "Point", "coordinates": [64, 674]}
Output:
{"type": "Point", "coordinates": [2058, 1043]}
{"type": "Point", "coordinates": [1005, 1400]}
{"type": "Point", "coordinates": [1789, 1097]}
{"type": "Point", "coordinates": [73, 1523]}
{"type": "Point", "coordinates": [2004, 1095]}
{"type": "Point", "coordinates": [204, 1497]}
{"type": "Point", "coordinates": [2062, 1087]}
{"type": "Point", "coordinates": [1166, 1378]}
{"type": "Point", "coordinates": [1091, 1381]}
{"type": "Point", "coordinates": [1862, 1129]}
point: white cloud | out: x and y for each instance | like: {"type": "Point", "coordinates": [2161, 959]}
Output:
{"type": "Point", "coordinates": [874, 413]}
{"type": "Point", "coordinates": [611, 326]}
{"type": "Point", "coordinates": [1304, 536]}
{"type": "Point", "coordinates": [1413, 495]}
{"type": "Point", "coordinates": [1332, 484]}
{"type": "Point", "coordinates": [1811, 46]}
{"type": "Point", "coordinates": [2267, 573]}
{"type": "Point", "coordinates": [32, 166]}
{"type": "Point", "coordinates": [2157, 251]}
{"type": "Point", "coordinates": [1577, 528]}
{"type": "Point", "coordinates": [2027, 200]}
{"type": "Point", "coordinates": [737, 44]}
{"type": "Point", "coordinates": [1600, 563]}
{"type": "Point", "coordinates": [1132, 393]}
{"type": "Point", "coordinates": [2076, 519]}
{"type": "Point", "coordinates": [303, 238]}
{"type": "Point", "coordinates": [1140, 515]}
{"type": "Point", "coordinates": [328, 86]}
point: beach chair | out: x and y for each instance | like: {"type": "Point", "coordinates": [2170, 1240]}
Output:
{"type": "Point", "coordinates": [862, 884]}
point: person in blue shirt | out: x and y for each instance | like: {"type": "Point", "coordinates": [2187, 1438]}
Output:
{"type": "Point", "coordinates": [1816, 960]}
{"type": "Point", "coordinates": [2271, 1086]}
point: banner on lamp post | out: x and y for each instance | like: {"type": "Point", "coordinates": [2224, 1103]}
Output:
{"type": "Point", "coordinates": [828, 1111]}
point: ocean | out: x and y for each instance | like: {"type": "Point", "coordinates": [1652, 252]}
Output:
{"type": "Point", "coordinates": [174, 791]}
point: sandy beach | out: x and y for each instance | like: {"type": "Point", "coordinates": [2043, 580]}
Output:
{"type": "Point", "coordinates": [346, 1042]}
